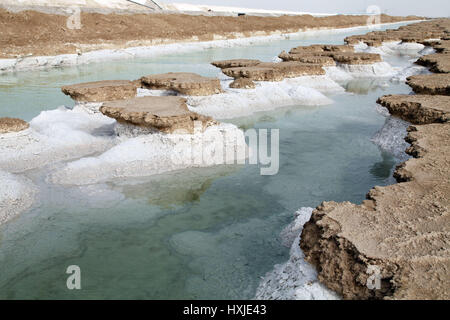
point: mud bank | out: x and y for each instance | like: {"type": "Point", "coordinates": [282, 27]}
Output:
{"type": "Point", "coordinates": [400, 235]}
{"type": "Point", "coordinates": [37, 33]}
{"type": "Point", "coordinates": [32, 39]}
{"type": "Point", "coordinates": [149, 48]}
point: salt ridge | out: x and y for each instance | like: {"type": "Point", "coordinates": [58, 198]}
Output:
{"type": "Point", "coordinates": [54, 136]}
{"type": "Point", "coordinates": [156, 153]}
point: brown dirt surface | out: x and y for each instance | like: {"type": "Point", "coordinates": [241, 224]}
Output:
{"type": "Point", "coordinates": [430, 83]}
{"type": "Point", "coordinates": [12, 125]}
{"type": "Point", "coordinates": [101, 90]}
{"type": "Point", "coordinates": [270, 71]}
{"type": "Point", "coordinates": [308, 58]}
{"type": "Point", "coordinates": [37, 33]}
{"type": "Point", "coordinates": [357, 58]}
{"type": "Point", "coordinates": [235, 63]}
{"type": "Point", "coordinates": [321, 48]}
{"type": "Point", "coordinates": [420, 32]}
{"type": "Point", "coordinates": [242, 83]}
{"type": "Point", "coordinates": [328, 55]}
{"type": "Point", "coordinates": [186, 83]}
{"type": "Point", "coordinates": [442, 46]}
{"type": "Point", "coordinates": [418, 109]}
{"type": "Point", "coordinates": [166, 114]}
{"type": "Point", "coordinates": [439, 62]}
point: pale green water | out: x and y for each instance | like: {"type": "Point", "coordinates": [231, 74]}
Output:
{"type": "Point", "coordinates": [205, 233]}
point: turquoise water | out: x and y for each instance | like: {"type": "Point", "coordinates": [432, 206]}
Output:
{"type": "Point", "coordinates": [199, 233]}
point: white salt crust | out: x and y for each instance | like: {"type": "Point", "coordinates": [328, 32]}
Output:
{"type": "Point", "coordinates": [295, 279]}
{"type": "Point", "coordinates": [55, 136]}
{"type": "Point", "coordinates": [234, 103]}
{"type": "Point", "coordinates": [155, 153]}
{"type": "Point", "coordinates": [17, 194]}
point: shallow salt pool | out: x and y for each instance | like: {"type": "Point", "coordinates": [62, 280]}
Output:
{"type": "Point", "coordinates": [207, 233]}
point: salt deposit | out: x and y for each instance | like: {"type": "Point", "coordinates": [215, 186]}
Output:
{"type": "Point", "coordinates": [407, 71]}
{"type": "Point", "coordinates": [337, 74]}
{"type": "Point", "coordinates": [398, 48]}
{"type": "Point", "coordinates": [345, 72]}
{"type": "Point", "coordinates": [156, 153]}
{"type": "Point", "coordinates": [379, 69]}
{"type": "Point", "coordinates": [391, 137]}
{"type": "Point", "coordinates": [234, 103]}
{"type": "Point", "coordinates": [54, 136]}
{"type": "Point", "coordinates": [17, 194]}
{"type": "Point", "coordinates": [266, 96]}
{"type": "Point", "coordinates": [294, 279]}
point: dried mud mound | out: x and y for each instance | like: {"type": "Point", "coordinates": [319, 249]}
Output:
{"type": "Point", "coordinates": [8, 125]}
{"type": "Point", "coordinates": [418, 109]}
{"type": "Point", "coordinates": [430, 84]}
{"type": "Point", "coordinates": [323, 61]}
{"type": "Point", "coordinates": [267, 71]}
{"type": "Point", "coordinates": [101, 90]}
{"type": "Point", "coordinates": [190, 84]}
{"type": "Point", "coordinates": [242, 83]}
{"type": "Point", "coordinates": [166, 114]}
{"type": "Point", "coordinates": [436, 62]}
{"type": "Point", "coordinates": [329, 55]}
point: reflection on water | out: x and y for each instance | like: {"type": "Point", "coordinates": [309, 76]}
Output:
{"type": "Point", "coordinates": [207, 233]}
{"type": "Point", "coordinates": [384, 168]}
{"type": "Point", "coordinates": [174, 188]}
{"type": "Point", "coordinates": [269, 116]}
{"type": "Point", "coordinates": [363, 86]}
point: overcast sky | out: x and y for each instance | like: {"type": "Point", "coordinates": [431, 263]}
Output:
{"type": "Point", "coordinates": [429, 8]}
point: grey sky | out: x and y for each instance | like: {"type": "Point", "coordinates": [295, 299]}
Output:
{"type": "Point", "coordinates": [431, 8]}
